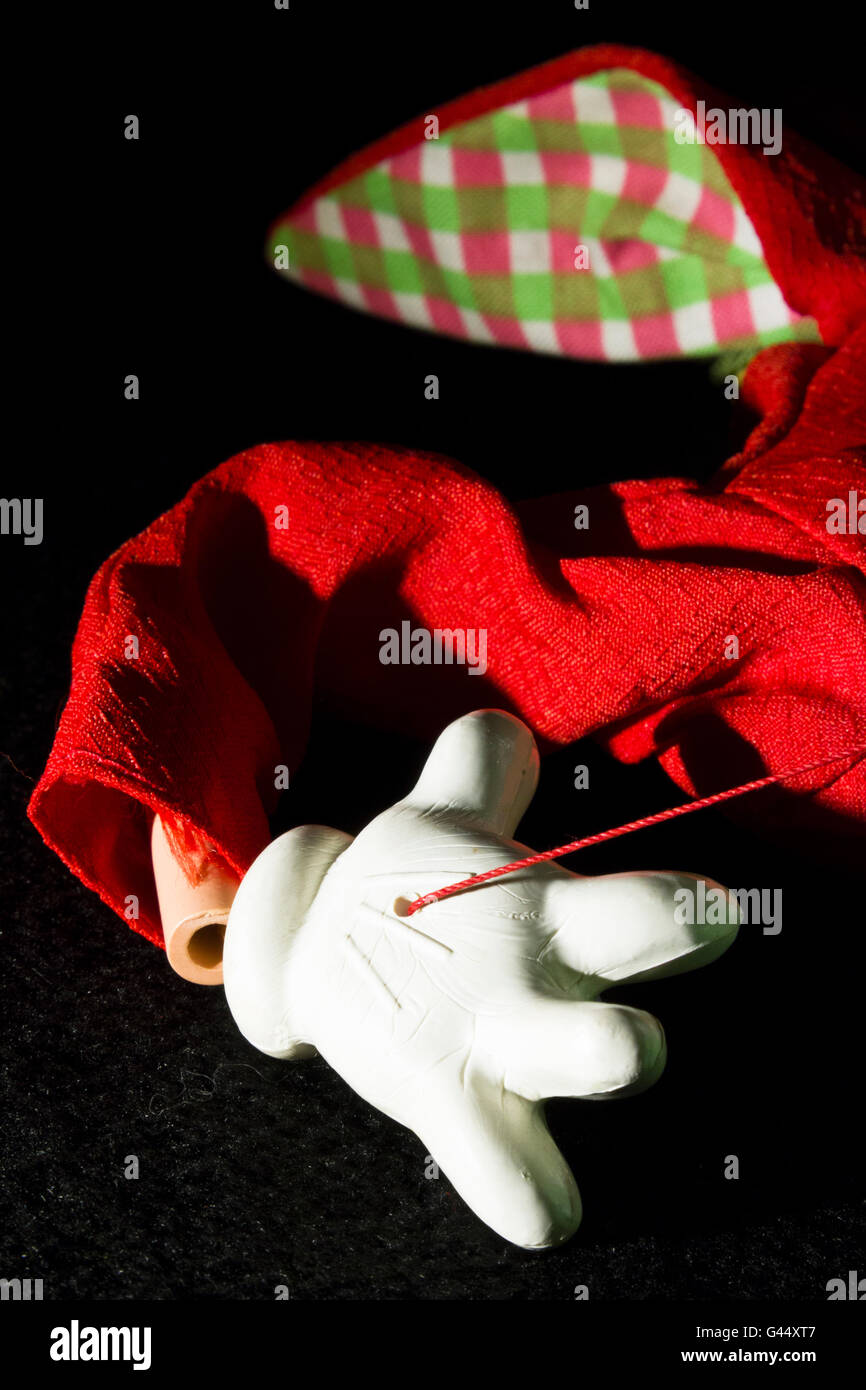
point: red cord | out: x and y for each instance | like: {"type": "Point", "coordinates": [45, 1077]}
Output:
{"type": "Point", "coordinates": [655, 819]}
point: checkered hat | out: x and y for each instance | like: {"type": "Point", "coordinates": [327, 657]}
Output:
{"type": "Point", "coordinates": [584, 215]}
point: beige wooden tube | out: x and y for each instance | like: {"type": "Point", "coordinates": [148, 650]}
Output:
{"type": "Point", "coordinates": [194, 915]}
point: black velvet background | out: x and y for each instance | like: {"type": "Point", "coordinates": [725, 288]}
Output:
{"type": "Point", "coordinates": [256, 1173]}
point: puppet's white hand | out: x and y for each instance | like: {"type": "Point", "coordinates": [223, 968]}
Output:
{"type": "Point", "coordinates": [460, 1020]}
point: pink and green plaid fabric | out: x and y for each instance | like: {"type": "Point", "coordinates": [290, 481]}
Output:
{"type": "Point", "coordinates": [572, 223]}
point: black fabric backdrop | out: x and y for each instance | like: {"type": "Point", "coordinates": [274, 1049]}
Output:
{"type": "Point", "coordinates": [148, 257]}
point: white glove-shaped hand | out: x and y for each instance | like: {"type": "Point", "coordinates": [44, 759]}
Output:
{"type": "Point", "coordinates": [460, 1020]}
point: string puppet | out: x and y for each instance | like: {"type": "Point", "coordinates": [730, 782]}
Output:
{"type": "Point", "coordinates": [607, 206]}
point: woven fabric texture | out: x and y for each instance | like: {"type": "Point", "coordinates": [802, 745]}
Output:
{"type": "Point", "coordinates": [277, 574]}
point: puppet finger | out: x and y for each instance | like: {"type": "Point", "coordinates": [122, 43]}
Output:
{"type": "Point", "coordinates": [484, 766]}
{"type": "Point", "coordinates": [624, 927]}
{"type": "Point", "coordinates": [568, 1048]}
{"type": "Point", "coordinates": [496, 1149]}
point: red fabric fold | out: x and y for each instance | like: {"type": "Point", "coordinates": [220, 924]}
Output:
{"type": "Point", "coordinates": [237, 619]}
{"type": "Point", "coordinates": [619, 630]}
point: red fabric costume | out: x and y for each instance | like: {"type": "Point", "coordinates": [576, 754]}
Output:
{"type": "Point", "coordinates": [619, 630]}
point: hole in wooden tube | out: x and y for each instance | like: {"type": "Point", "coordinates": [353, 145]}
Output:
{"type": "Point", "coordinates": [205, 947]}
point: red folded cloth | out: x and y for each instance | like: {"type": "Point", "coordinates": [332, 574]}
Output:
{"type": "Point", "coordinates": [202, 640]}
